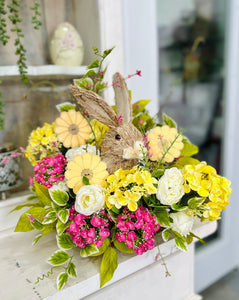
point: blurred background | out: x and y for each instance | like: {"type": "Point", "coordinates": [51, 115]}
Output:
{"type": "Point", "coordinates": [187, 51]}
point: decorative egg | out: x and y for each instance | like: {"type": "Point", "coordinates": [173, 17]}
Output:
{"type": "Point", "coordinates": [66, 46]}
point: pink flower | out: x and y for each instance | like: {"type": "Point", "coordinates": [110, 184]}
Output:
{"type": "Point", "coordinates": [131, 236]}
{"type": "Point", "coordinates": [98, 243]}
{"type": "Point", "coordinates": [138, 72]}
{"type": "Point", "coordinates": [120, 237]}
{"type": "Point", "coordinates": [31, 219]}
{"type": "Point", "coordinates": [104, 232]}
{"type": "Point", "coordinates": [4, 160]}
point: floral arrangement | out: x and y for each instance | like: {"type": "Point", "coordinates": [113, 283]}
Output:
{"type": "Point", "coordinates": [115, 179]}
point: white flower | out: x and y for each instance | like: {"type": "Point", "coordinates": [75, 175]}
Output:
{"type": "Point", "coordinates": [170, 187]}
{"type": "Point", "coordinates": [60, 185]}
{"type": "Point", "coordinates": [89, 199]}
{"type": "Point", "coordinates": [182, 223]}
{"type": "Point", "coordinates": [71, 153]}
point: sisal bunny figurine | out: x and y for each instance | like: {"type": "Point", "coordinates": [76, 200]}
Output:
{"type": "Point", "coordinates": [122, 144]}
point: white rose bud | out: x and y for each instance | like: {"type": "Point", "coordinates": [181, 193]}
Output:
{"type": "Point", "coordinates": [71, 153]}
{"type": "Point", "coordinates": [182, 223]}
{"type": "Point", "coordinates": [90, 199]}
{"type": "Point", "coordinates": [170, 187]}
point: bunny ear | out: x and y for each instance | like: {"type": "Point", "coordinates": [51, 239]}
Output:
{"type": "Point", "coordinates": [122, 98]}
{"type": "Point", "coordinates": [95, 106]}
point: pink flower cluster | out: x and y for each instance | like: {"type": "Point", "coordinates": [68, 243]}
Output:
{"type": "Point", "coordinates": [86, 230]}
{"type": "Point", "coordinates": [50, 170]}
{"type": "Point", "coordinates": [137, 229]}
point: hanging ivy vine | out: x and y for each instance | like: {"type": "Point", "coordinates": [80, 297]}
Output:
{"type": "Point", "coordinates": [11, 10]}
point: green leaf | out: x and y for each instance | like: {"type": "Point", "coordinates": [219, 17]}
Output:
{"type": "Point", "coordinates": [90, 73]}
{"type": "Point", "coordinates": [89, 250]}
{"type": "Point", "coordinates": [24, 224]}
{"type": "Point", "coordinates": [59, 197]}
{"type": "Point", "coordinates": [66, 106]}
{"type": "Point", "coordinates": [180, 242]}
{"type": "Point", "coordinates": [37, 225]}
{"type": "Point", "coordinates": [108, 265]}
{"type": "Point", "coordinates": [123, 247]}
{"type": "Point", "coordinates": [64, 215]}
{"type": "Point", "coordinates": [139, 106]}
{"type": "Point", "coordinates": [168, 121]}
{"type": "Point", "coordinates": [94, 64]}
{"type": "Point", "coordinates": [183, 161]}
{"type": "Point", "coordinates": [189, 149]}
{"type": "Point", "coordinates": [106, 243]}
{"type": "Point", "coordinates": [197, 237]}
{"type": "Point", "coordinates": [189, 239]}
{"type": "Point", "coordinates": [107, 52]}
{"type": "Point", "coordinates": [165, 235]}
{"type": "Point", "coordinates": [42, 193]}
{"type": "Point", "coordinates": [86, 83]}
{"type": "Point", "coordinates": [62, 279]}
{"type": "Point", "coordinates": [157, 173]}
{"type": "Point", "coordinates": [178, 206]}
{"type": "Point", "coordinates": [50, 218]}
{"type": "Point", "coordinates": [162, 216]}
{"type": "Point", "coordinates": [99, 86]}
{"type": "Point", "coordinates": [36, 239]}
{"type": "Point", "coordinates": [195, 202]}
{"type": "Point", "coordinates": [56, 207]}
{"type": "Point", "coordinates": [58, 258]}
{"type": "Point", "coordinates": [71, 270]}
{"type": "Point", "coordinates": [61, 227]}
{"type": "Point", "coordinates": [85, 180]}
{"type": "Point", "coordinates": [48, 229]}
{"type": "Point", "coordinates": [64, 241]}
{"type": "Point", "coordinates": [18, 207]}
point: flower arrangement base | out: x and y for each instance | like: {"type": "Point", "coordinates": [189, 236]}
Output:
{"type": "Point", "coordinates": [136, 277]}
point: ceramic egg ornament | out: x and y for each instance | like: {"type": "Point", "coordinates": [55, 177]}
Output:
{"type": "Point", "coordinates": [66, 46]}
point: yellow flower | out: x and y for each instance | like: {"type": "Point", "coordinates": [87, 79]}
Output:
{"type": "Point", "coordinates": [86, 165]}
{"type": "Point", "coordinates": [208, 184]}
{"type": "Point", "coordinates": [72, 129]}
{"type": "Point", "coordinates": [164, 143]}
{"type": "Point", "coordinates": [99, 131]}
{"type": "Point", "coordinates": [42, 142]}
{"type": "Point", "coordinates": [126, 187]}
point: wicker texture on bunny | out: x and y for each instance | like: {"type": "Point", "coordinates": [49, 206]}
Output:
{"type": "Point", "coordinates": [121, 146]}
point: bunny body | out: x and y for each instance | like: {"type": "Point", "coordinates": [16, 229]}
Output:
{"type": "Point", "coordinates": [119, 144]}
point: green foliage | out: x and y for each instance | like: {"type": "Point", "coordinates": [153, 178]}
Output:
{"type": "Point", "coordinates": [141, 117]}
{"type": "Point", "coordinates": [162, 216]}
{"type": "Point", "coordinates": [169, 121]}
{"type": "Point", "coordinates": [106, 243]}
{"type": "Point", "coordinates": [189, 149]}
{"type": "Point", "coordinates": [93, 79]}
{"type": "Point", "coordinates": [123, 247]}
{"type": "Point", "coordinates": [18, 207]}
{"type": "Point", "coordinates": [194, 203]}
{"type": "Point", "coordinates": [85, 180]}
{"type": "Point", "coordinates": [62, 279]}
{"type": "Point", "coordinates": [36, 239]}
{"type": "Point", "coordinates": [71, 270]}
{"type": "Point", "coordinates": [50, 218]}
{"type": "Point", "coordinates": [1, 103]}
{"type": "Point", "coordinates": [59, 197]}
{"type": "Point", "coordinates": [64, 215]}
{"type": "Point", "coordinates": [108, 265]}
{"type": "Point", "coordinates": [64, 241]}
{"type": "Point", "coordinates": [61, 227]}
{"type": "Point", "coordinates": [179, 206]}
{"type": "Point", "coordinates": [89, 250]}
{"type": "Point", "coordinates": [180, 243]}
{"type": "Point", "coordinates": [183, 161]}
{"type": "Point", "coordinates": [166, 235]}
{"type": "Point", "coordinates": [35, 19]}
{"type": "Point", "coordinates": [58, 258]}
{"type": "Point", "coordinates": [24, 223]}
{"type": "Point", "coordinates": [66, 106]}
{"type": "Point", "coordinates": [42, 194]}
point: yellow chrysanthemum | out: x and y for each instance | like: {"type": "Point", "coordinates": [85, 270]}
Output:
{"type": "Point", "coordinates": [42, 143]}
{"type": "Point", "coordinates": [165, 143]}
{"type": "Point", "coordinates": [86, 165]}
{"type": "Point", "coordinates": [208, 184]}
{"type": "Point", "coordinates": [99, 131]}
{"type": "Point", "coordinates": [72, 129]}
{"type": "Point", "coordinates": [126, 187]}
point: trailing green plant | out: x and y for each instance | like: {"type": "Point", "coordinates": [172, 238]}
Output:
{"type": "Point", "coordinates": [1, 111]}
{"type": "Point", "coordinates": [14, 17]}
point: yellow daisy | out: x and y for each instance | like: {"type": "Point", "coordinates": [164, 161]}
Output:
{"type": "Point", "coordinates": [164, 143]}
{"type": "Point", "coordinates": [72, 129]}
{"type": "Point", "coordinates": [86, 165]}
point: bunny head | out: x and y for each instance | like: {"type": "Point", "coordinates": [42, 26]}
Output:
{"type": "Point", "coordinates": [121, 146]}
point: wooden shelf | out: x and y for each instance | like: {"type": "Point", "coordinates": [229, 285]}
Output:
{"type": "Point", "coordinates": [44, 70]}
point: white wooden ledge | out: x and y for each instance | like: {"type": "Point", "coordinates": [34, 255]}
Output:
{"type": "Point", "coordinates": [137, 277]}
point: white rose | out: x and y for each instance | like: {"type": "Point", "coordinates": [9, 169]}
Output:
{"type": "Point", "coordinates": [71, 153]}
{"type": "Point", "coordinates": [182, 223]}
{"type": "Point", "coordinates": [89, 199]}
{"type": "Point", "coordinates": [170, 187]}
